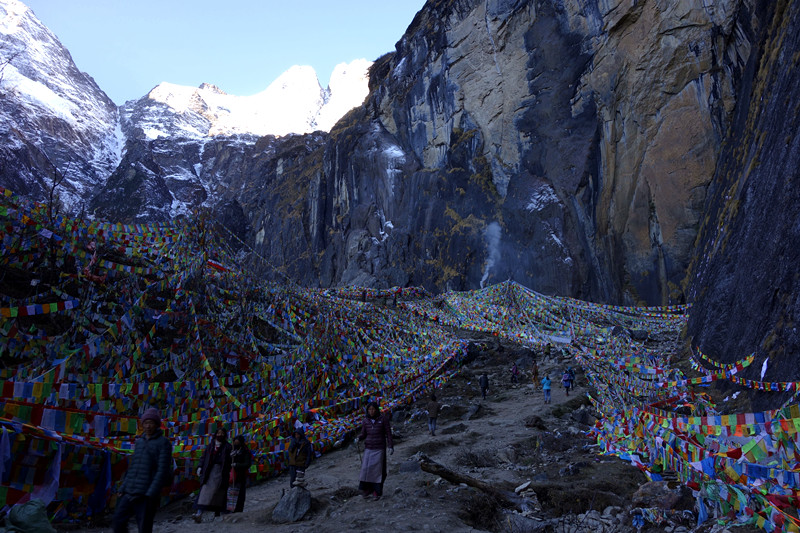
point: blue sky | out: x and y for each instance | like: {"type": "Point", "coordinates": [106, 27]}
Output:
{"type": "Point", "coordinates": [241, 46]}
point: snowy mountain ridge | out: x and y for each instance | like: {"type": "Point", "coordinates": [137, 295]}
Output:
{"type": "Point", "coordinates": [294, 103]}
{"type": "Point", "coordinates": [55, 120]}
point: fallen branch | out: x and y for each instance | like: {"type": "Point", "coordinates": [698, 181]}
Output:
{"type": "Point", "coordinates": [507, 498]}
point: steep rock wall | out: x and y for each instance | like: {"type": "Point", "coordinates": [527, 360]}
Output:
{"type": "Point", "coordinates": [578, 139]}
{"type": "Point", "coordinates": [744, 279]}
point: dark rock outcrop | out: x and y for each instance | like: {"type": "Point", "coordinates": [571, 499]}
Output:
{"type": "Point", "coordinates": [744, 278]}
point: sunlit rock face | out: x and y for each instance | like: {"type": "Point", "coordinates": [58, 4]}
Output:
{"type": "Point", "coordinates": [565, 145]}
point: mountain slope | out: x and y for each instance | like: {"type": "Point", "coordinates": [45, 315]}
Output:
{"type": "Point", "coordinates": [53, 118]}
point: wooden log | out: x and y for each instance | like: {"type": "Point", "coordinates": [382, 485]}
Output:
{"type": "Point", "coordinates": [508, 499]}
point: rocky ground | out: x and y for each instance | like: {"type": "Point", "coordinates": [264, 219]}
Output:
{"type": "Point", "coordinates": [507, 440]}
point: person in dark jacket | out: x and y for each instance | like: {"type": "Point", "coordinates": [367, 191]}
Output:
{"type": "Point", "coordinates": [149, 470]}
{"type": "Point", "coordinates": [483, 381]}
{"type": "Point", "coordinates": [376, 432]}
{"type": "Point", "coordinates": [300, 455]}
{"type": "Point", "coordinates": [566, 381]}
{"type": "Point", "coordinates": [433, 414]}
{"type": "Point", "coordinates": [214, 471]}
{"type": "Point", "coordinates": [241, 459]}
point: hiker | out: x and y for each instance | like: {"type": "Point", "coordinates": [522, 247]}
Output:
{"type": "Point", "coordinates": [535, 373]}
{"type": "Point", "coordinates": [214, 471]}
{"type": "Point", "coordinates": [149, 470]}
{"type": "Point", "coordinates": [514, 373]}
{"type": "Point", "coordinates": [433, 413]}
{"type": "Point", "coordinates": [546, 388]}
{"type": "Point", "coordinates": [241, 459]}
{"type": "Point", "coordinates": [376, 433]}
{"type": "Point", "coordinates": [547, 350]}
{"type": "Point", "coordinates": [483, 381]}
{"type": "Point", "coordinates": [566, 381]}
{"type": "Point", "coordinates": [300, 455]}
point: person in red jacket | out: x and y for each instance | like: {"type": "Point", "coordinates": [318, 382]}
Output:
{"type": "Point", "coordinates": [376, 432]}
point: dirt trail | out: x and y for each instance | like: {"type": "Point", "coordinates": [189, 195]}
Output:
{"type": "Point", "coordinates": [494, 445]}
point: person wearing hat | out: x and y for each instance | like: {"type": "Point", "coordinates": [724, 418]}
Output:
{"type": "Point", "coordinates": [149, 470]}
{"type": "Point", "coordinates": [300, 456]}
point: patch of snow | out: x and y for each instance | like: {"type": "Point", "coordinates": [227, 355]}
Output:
{"type": "Point", "coordinates": [400, 69]}
{"type": "Point", "coordinates": [198, 168]}
{"type": "Point", "coordinates": [394, 152]}
{"type": "Point", "coordinates": [119, 142]}
{"type": "Point", "coordinates": [540, 199]}
{"type": "Point", "coordinates": [178, 208]}
{"type": "Point", "coordinates": [152, 133]}
{"type": "Point", "coordinates": [37, 94]}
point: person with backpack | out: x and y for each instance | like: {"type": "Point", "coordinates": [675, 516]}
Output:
{"type": "Point", "coordinates": [149, 470]}
{"type": "Point", "coordinates": [566, 381]}
{"type": "Point", "coordinates": [483, 381]}
{"type": "Point", "coordinates": [514, 373]}
{"type": "Point", "coordinates": [300, 456]}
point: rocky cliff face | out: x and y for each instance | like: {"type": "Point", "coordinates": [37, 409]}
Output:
{"type": "Point", "coordinates": [744, 277]}
{"type": "Point", "coordinates": [566, 145]}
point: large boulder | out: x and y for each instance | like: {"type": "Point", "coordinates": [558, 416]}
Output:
{"type": "Point", "coordinates": [293, 506]}
{"type": "Point", "coordinates": [656, 494]}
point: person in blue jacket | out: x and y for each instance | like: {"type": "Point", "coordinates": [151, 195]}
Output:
{"type": "Point", "coordinates": [546, 388]}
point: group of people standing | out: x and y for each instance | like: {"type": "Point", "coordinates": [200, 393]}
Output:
{"type": "Point", "coordinates": [223, 466]}
{"type": "Point", "coordinates": [567, 377]}
{"type": "Point", "coordinates": [226, 465]}
{"type": "Point", "coordinates": [151, 469]}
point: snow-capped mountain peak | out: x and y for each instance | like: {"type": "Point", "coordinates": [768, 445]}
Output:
{"type": "Point", "coordinates": [293, 103]}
